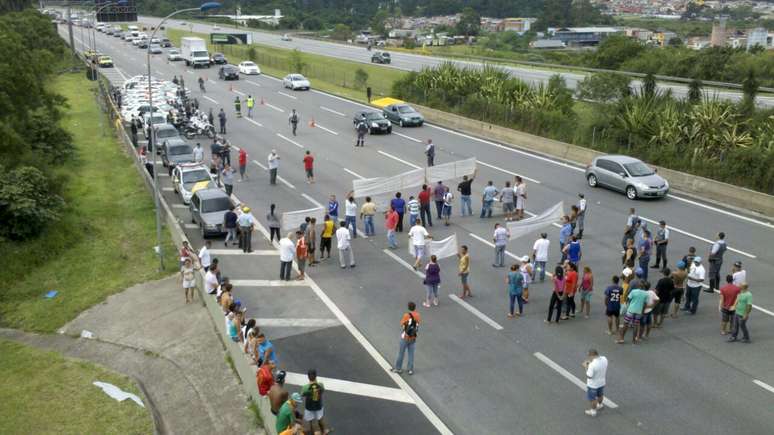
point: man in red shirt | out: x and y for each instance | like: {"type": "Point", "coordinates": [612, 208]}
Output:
{"type": "Point", "coordinates": [309, 166]}
{"type": "Point", "coordinates": [728, 294]}
{"type": "Point", "coordinates": [570, 287]}
{"type": "Point", "coordinates": [265, 377]}
{"type": "Point", "coordinates": [424, 205]}
{"type": "Point", "coordinates": [242, 164]}
{"type": "Point", "coordinates": [391, 221]}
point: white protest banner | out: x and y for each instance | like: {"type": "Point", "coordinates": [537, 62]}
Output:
{"type": "Point", "coordinates": [389, 185]}
{"type": "Point", "coordinates": [441, 248]}
{"type": "Point", "coordinates": [536, 223]}
{"type": "Point", "coordinates": [292, 220]}
{"type": "Point", "coordinates": [451, 170]}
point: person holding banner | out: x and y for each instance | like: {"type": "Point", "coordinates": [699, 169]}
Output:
{"type": "Point", "coordinates": [418, 234]}
{"type": "Point", "coordinates": [399, 205]}
{"type": "Point", "coordinates": [432, 281]}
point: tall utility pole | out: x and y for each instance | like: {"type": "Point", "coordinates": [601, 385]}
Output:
{"type": "Point", "coordinates": [70, 29]}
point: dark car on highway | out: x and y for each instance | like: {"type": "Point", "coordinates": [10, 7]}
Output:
{"type": "Point", "coordinates": [403, 115]}
{"type": "Point", "coordinates": [175, 151]}
{"type": "Point", "coordinates": [218, 58]}
{"type": "Point", "coordinates": [381, 57]}
{"type": "Point", "coordinates": [375, 121]}
{"type": "Point", "coordinates": [208, 208]}
{"type": "Point", "coordinates": [165, 42]}
{"type": "Point", "coordinates": [228, 72]}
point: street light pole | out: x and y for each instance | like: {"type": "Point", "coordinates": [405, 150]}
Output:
{"type": "Point", "coordinates": [153, 140]}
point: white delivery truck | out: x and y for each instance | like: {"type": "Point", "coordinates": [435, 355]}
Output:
{"type": "Point", "coordinates": [194, 52]}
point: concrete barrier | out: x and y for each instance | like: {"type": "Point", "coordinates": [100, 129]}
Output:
{"type": "Point", "coordinates": [704, 188]}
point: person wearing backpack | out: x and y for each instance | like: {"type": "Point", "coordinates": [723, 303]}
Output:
{"type": "Point", "coordinates": [293, 120]}
{"type": "Point", "coordinates": [408, 338]}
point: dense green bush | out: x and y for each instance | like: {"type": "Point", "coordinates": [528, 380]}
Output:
{"type": "Point", "coordinates": [27, 204]}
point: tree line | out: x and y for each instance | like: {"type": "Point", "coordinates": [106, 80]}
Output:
{"type": "Point", "coordinates": [32, 142]}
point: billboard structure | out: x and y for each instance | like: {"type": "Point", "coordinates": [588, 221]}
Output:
{"type": "Point", "coordinates": [231, 38]}
{"type": "Point", "coordinates": [116, 13]}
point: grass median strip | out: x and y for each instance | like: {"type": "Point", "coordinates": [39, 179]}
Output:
{"type": "Point", "coordinates": [105, 238]}
{"type": "Point", "coordinates": [42, 392]}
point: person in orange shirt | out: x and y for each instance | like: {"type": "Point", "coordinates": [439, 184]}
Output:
{"type": "Point", "coordinates": [409, 324]}
{"type": "Point", "coordinates": [265, 378]}
{"type": "Point", "coordinates": [570, 287]}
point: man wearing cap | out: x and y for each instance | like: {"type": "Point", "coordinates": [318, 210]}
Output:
{"type": "Point", "coordinates": [581, 214]}
{"type": "Point", "coordinates": [716, 261]}
{"type": "Point", "coordinates": [540, 254]}
{"type": "Point", "coordinates": [739, 274]}
{"type": "Point", "coordinates": [661, 240]}
{"type": "Point", "coordinates": [273, 161]}
{"type": "Point", "coordinates": [696, 277]}
{"type": "Point", "coordinates": [277, 393]}
{"type": "Point", "coordinates": [286, 417]}
{"type": "Point", "coordinates": [246, 223]}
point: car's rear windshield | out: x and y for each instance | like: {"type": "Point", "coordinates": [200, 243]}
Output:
{"type": "Point", "coordinates": [385, 54]}
{"type": "Point", "coordinates": [405, 109]}
{"type": "Point", "coordinates": [192, 177]}
{"type": "Point", "coordinates": [180, 150]}
{"type": "Point", "coordinates": [199, 53]}
{"type": "Point", "coordinates": [373, 115]}
{"type": "Point", "coordinates": [167, 132]}
{"type": "Point", "coordinates": [215, 204]}
{"type": "Point", "coordinates": [638, 169]}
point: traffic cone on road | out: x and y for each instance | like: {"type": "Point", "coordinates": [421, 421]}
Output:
{"type": "Point", "coordinates": [311, 123]}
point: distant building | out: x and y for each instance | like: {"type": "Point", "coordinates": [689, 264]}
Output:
{"type": "Point", "coordinates": [546, 44]}
{"type": "Point", "coordinates": [402, 33]}
{"type": "Point", "coordinates": [582, 36]}
{"type": "Point", "coordinates": [757, 36]}
{"type": "Point", "coordinates": [718, 37]}
{"type": "Point", "coordinates": [518, 25]}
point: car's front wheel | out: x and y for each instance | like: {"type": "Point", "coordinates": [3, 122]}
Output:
{"type": "Point", "coordinates": [592, 179]}
{"type": "Point", "coordinates": [202, 232]}
{"type": "Point", "coordinates": [400, 122]}
{"type": "Point", "coordinates": [631, 192]}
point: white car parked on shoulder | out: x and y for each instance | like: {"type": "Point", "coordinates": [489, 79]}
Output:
{"type": "Point", "coordinates": [249, 68]}
{"type": "Point", "coordinates": [296, 81]}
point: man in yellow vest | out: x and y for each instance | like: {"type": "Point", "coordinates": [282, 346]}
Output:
{"type": "Point", "coordinates": [250, 105]}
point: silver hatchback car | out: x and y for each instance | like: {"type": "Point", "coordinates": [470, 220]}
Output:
{"type": "Point", "coordinates": [628, 175]}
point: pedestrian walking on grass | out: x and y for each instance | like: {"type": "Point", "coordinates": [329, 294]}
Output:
{"type": "Point", "coordinates": [432, 281]}
{"type": "Point", "coordinates": [273, 161]}
{"type": "Point", "coordinates": [463, 270]}
{"type": "Point", "coordinates": [596, 373]}
{"type": "Point", "coordinates": [188, 279]}
{"type": "Point", "coordinates": [309, 166]}
{"type": "Point", "coordinates": [409, 325]}
{"type": "Point", "coordinates": [515, 282]}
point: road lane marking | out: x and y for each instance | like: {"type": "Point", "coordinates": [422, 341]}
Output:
{"type": "Point", "coordinates": [569, 376]}
{"type": "Point", "coordinates": [191, 226]}
{"type": "Point", "coordinates": [326, 129]}
{"type": "Point", "coordinates": [298, 323]}
{"type": "Point", "coordinates": [403, 263]}
{"type": "Point", "coordinates": [349, 387]}
{"type": "Point", "coordinates": [335, 97]}
{"type": "Point", "coordinates": [286, 182]}
{"type": "Point", "coordinates": [354, 173]}
{"type": "Point", "coordinates": [163, 174]}
{"type": "Point", "coordinates": [507, 171]}
{"type": "Point", "coordinates": [274, 107]}
{"type": "Point", "coordinates": [179, 205]}
{"type": "Point", "coordinates": [253, 83]}
{"type": "Point", "coordinates": [287, 95]}
{"type": "Point", "coordinates": [189, 71]}
{"type": "Point", "coordinates": [209, 99]}
{"type": "Point", "coordinates": [268, 283]}
{"type": "Point", "coordinates": [719, 210]}
{"type": "Point", "coordinates": [254, 122]}
{"type": "Point", "coordinates": [764, 385]}
{"type": "Point", "coordinates": [312, 200]}
{"type": "Point", "coordinates": [407, 137]}
{"type": "Point", "coordinates": [678, 230]}
{"type": "Point", "coordinates": [475, 312]}
{"type": "Point", "coordinates": [167, 189]}
{"type": "Point", "coordinates": [492, 245]}
{"type": "Point", "coordinates": [399, 159]}
{"type": "Point", "coordinates": [260, 165]}
{"type": "Point", "coordinates": [240, 252]}
{"type": "Point", "coordinates": [240, 93]}
{"type": "Point", "coordinates": [291, 141]}
{"type": "Point", "coordinates": [212, 81]}
{"type": "Point", "coordinates": [332, 111]}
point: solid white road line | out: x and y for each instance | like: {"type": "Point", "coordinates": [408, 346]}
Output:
{"type": "Point", "coordinates": [212, 81]}
{"type": "Point", "coordinates": [167, 189]}
{"type": "Point", "coordinates": [326, 129]}
{"type": "Point", "coordinates": [287, 95]}
{"type": "Point", "coordinates": [191, 226]}
{"type": "Point", "coordinates": [678, 230]}
{"type": "Point", "coordinates": [354, 173]}
{"type": "Point", "coordinates": [403, 262]}
{"type": "Point", "coordinates": [189, 71]}
{"type": "Point", "coordinates": [274, 107]}
{"type": "Point", "coordinates": [399, 159]}
{"type": "Point", "coordinates": [492, 245]}
{"type": "Point", "coordinates": [268, 283]}
{"type": "Point", "coordinates": [286, 182]}
{"type": "Point", "coordinates": [240, 252]}
{"type": "Point", "coordinates": [332, 111]}
{"type": "Point", "coordinates": [335, 97]}
{"type": "Point", "coordinates": [163, 174]}
{"type": "Point", "coordinates": [764, 385]}
{"type": "Point", "coordinates": [179, 206]}
{"type": "Point", "coordinates": [260, 165]}
{"type": "Point", "coordinates": [407, 137]}
{"type": "Point", "coordinates": [291, 141]}
{"type": "Point", "coordinates": [240, 93]}
{"type": "Point", "coordinates": [475, 312]}
{"type": "Point", "coordinates": [298, 323]}
{"type": "Point", "coordinates": [569, 376]}
{"type": "Point", "coordinates": [253, 83]}
{"type": "Point", "coordinates": [209, 99]}
{"type": "Point", "coordinates": [254, 122]}
{"type": "Point", "coordinates": [123, 76]}
{"type": "Point", "coordinates": [312, 200]}
{"type": "Point", "coordinates": [720, 210]}
{"type": "Point", "coordinates": [349, 387]}
{"type": "Point", "coordinates": [507, 171]}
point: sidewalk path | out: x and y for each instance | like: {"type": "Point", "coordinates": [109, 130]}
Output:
{"type": "Point", "coordinates": [170, 348]}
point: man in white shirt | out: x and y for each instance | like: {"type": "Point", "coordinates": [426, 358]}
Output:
{"type": "Point", "coordinates": [198, 153]}
{"type": "Point", "coordinates": [500, 238]}
{"type": "Point", "coordinates": [739, 274]}
{"type": "Point", "coordinates": [246, 223]}
{"type": "Point", "coordinates": [579, 221]}
{"type": "Point", "coordinates": [287, 253]}
{"type": "Point", "coordinates": [696, 277]}
{"type": "Point", "coordinates": [211, 283]}
{"type": "Point", "coordinates": [520, 187]}
{"type": "Point", "coordinates": [343, 238]}
{"type": "Point", "coordinates": [204, 255]}
{"type": "Point", "coordinates": [350, 215]}
{"type": "Point", "coordinates": [596, 371]}
{"type": "Point", "coordinates": [418, 234]}
{"type": "Point", "coordinates": [540, 255]}
{"type": "Point", "coordinates": [273, 161]}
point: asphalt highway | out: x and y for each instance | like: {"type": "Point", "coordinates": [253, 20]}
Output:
{"type": "Point", "coordinates": [477, 370]}
{"type": "Point", "coordinates": [414, 62]}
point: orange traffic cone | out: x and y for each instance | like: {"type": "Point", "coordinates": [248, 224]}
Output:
{"type": "Point", "coordinates": [311, 123]}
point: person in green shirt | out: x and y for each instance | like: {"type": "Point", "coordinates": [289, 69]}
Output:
{"type": "Point", "coordinates": [636, 299]}
{"type": "Point", "coordinates": [286, 417]}
{"type": "Point", "coordinates": [313, 405]}
{"type": "Point", "coordinates": [742, 311]}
